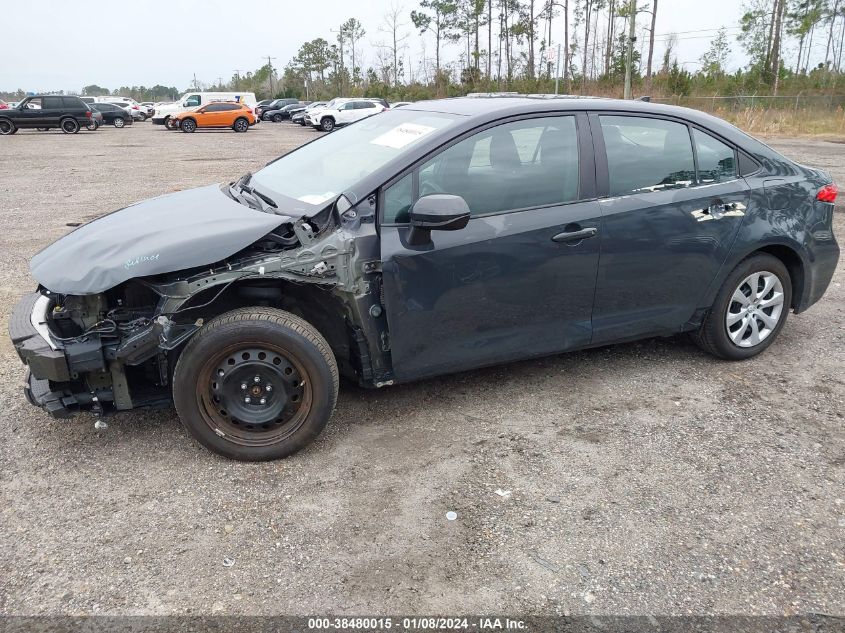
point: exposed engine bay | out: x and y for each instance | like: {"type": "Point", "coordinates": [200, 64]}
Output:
{"type": "Point", "coordinates": [116, 349]}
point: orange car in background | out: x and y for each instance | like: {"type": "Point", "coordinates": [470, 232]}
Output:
{"type": "Point", "coordinates": [221, 114]}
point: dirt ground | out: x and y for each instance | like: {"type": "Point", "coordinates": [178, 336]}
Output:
{"type": "Point", "coordinates": [643, 478]}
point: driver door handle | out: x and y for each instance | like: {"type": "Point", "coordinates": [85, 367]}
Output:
{"type": "Point", "coordinates": [575, 236]}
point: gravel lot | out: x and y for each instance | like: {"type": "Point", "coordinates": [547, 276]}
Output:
{"type": "Point", "coordinates": [644, 478]}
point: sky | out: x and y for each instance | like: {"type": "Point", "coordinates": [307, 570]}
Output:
{"type": "Point", "coordinates": [46, 47]}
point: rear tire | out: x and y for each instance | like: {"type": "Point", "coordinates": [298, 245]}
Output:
{"type": "Point", "coordinates": [92, 126]}
{"type": "Point", "coordinates": [749, 311]}
{"type": "Point", "coordinates": [240, 125]}
{"type": "Point", "coordinates": [142, 117]}
{"type": "Point", "coordinates": [277, 118]}
{"type": "Point", "coordinates": [279, 411]}
{"type": "Point", "coordinates": [43, 129]}
{"type": "Point", "coordinates": [69, 126]}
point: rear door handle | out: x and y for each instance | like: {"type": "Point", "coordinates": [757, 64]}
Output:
{"type": "Point", "coordinates": [575, 236]}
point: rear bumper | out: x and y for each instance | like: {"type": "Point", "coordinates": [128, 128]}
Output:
{"type": "Point", "coordinates": [818, 273]}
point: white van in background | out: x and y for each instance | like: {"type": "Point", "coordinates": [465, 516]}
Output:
{"type": "Point", "coordinates": [195, 99]}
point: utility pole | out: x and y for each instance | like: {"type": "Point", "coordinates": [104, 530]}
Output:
{"type": "Point", "coordinates": [270, 64]}
{"type": "Point", "coordinates": [629, 56]}
{"type": "Point", "coordinates": [237, 78]}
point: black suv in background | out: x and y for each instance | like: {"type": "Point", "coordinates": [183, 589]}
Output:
{"type": "Point", "coordinates": [113, 114]}
{"type": "Point", "coordinates": [46, 111]}
{"type": "Point", "coordinates": [276, 104]}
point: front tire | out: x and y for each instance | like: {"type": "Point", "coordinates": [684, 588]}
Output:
{"type": "Point", "coordinates": [69, 126]}
{"type": "Point", "coordinates": [142, 117]}
{"type": "Point", "coordinates": [256, 384]}
{"type": "Point", "coordinates": [7, 127]}
{"type": "Point", "coordinates": [241, 125]}
{"type": "Point", "coordinates": [749, 311]}
{"type": "Point", "coordinates": [327, 124]}
{"type": "Point", "coordinates": [119, 122]}
{"type": "Point", "coordinates": [188, 125]}
{"type": "Point", "coordinates": [277, 118]}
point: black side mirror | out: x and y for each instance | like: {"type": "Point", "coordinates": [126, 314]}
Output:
{"type": "Point", "coordinates": [437, 212]}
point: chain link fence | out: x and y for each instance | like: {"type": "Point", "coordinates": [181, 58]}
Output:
{"type": "Point", "coordinates": [737, 103]}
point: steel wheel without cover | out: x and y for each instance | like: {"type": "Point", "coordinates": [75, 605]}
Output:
{"type": "Point", "coordinates": [755, 309]}
{"type": "Point", "coordinates": [257, 396]}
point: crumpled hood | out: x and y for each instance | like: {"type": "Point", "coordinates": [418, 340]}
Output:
{"type": "Point", "coordinates": [181, 230]}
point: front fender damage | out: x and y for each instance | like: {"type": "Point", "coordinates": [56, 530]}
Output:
{"type": "Point", "coordinates": [120, 348]}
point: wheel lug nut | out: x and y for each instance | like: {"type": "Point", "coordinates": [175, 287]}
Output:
{"type": "Point", "coordinates": [263, 401]}
{"type": "Point", "coordinates": [243, 386]}
{"type": "Point", "coordinates": [247, 400]}
{"type": "Point", "coordinates": [257, 379]}
{"type": "Point", "coordinates": [268, 388]}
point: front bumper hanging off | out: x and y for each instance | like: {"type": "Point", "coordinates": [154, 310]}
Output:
{"type": "Point", "coordinates": [46, 363]}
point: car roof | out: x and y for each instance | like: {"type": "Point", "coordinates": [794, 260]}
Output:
{"type": "Point", "coordinates": [482, 108]}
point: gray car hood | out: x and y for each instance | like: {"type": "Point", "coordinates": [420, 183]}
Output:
{"type": "Point", "coordinates": [181, 230]}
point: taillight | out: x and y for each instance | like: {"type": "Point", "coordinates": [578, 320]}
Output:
{"type": "Point", "coordinates": [88, 114]}
{"type": "Point", "coordinates": [827, 193]}
{"type": "Point", "coordinates": [135, 108]}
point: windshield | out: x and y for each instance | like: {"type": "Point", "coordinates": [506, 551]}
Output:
{"type": "Point", "coordinates": [325, 168]}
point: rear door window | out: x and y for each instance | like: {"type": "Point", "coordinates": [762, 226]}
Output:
{"type": "Point", "coordinates": [716, 161]}
{"type": "Point", "coordinates": [52, 103]}
{"type": "Point", "coordinates": [646, 154]}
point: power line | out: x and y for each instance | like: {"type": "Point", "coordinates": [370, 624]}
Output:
{"type": "Point", "coordinates": [729, 28]}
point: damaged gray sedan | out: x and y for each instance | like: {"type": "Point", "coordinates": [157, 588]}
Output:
{"type": "Point", "coordinates": [435, 238]}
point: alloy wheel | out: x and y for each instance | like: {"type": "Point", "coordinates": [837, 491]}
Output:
{"type": "Point", "coordinates": [755, 309]}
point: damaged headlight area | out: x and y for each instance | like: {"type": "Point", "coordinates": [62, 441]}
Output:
{"type": "Point", "coordinates": [116, 350]}
{"type": "Point", "coordinates": [83, 352]}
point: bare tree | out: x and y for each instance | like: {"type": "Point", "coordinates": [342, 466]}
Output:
{"type": "Point", "coordinates": [392, 25]}
{"type": "Point", "coordinates": [651, 44]}
{"type": "Point", "coordinates": [588, 8]}
{"type": "Point", "coordinates": [780, 5]}
{"type": "Point", "coordinates": [353, 31]}
{"type": "Point", "coordinates": [490, 38]}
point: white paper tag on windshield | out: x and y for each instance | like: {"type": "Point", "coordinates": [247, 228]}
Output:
{"type": "Point", "coordinates": [402, 135]}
